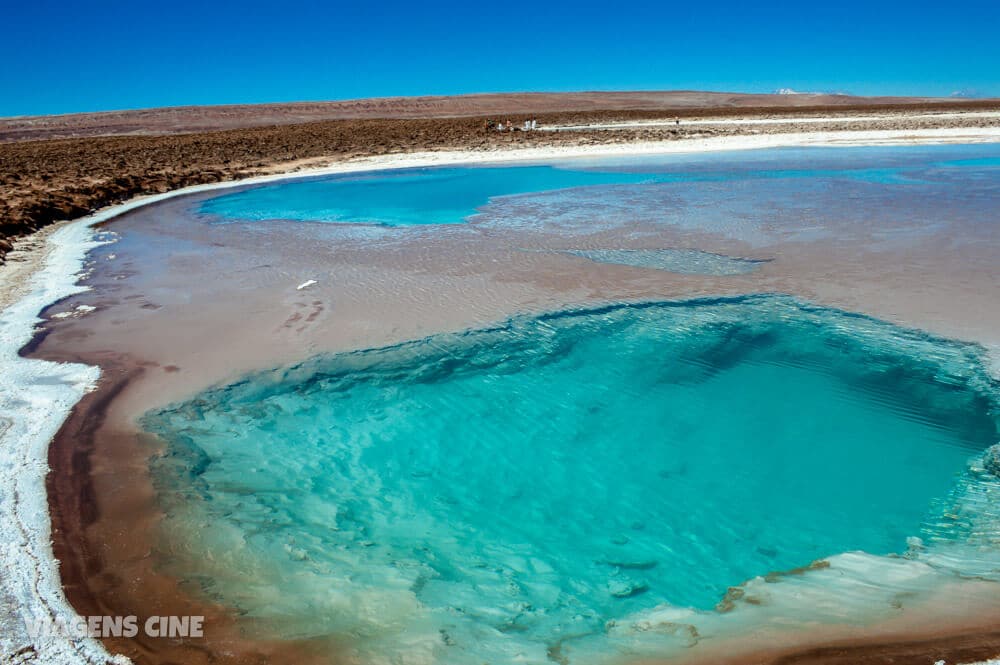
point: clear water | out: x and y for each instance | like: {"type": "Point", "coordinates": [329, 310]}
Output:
{"type": "Point", "coordinates": [685, 261]}
{"type": "Point", "coordinates": [423, 196]}
{"type": "Point", "coordinates": [488, 495]}
{"type": "Point", "coordinates": [455, 194]}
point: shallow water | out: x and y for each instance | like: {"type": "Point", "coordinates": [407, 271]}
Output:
{"type": "Point", "coordinates": [453, 195]}
{"type": "Point", "coordinates": [684, 261]}
{"type": "Point", "coordinates": [561, 486]}
{"type": "Point", "coordinates": [487, 495]}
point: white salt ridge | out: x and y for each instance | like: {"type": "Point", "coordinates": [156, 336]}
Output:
{"type": "Point", "coordinates": [853, 590]}
{"type": "Point", "coordinates": [78, 311]}
{"type": "Point", "coordinates": [35, 398]}
{"type": "Point", "coordinates": [966, 539]}
{"type": "Point", "coordinates": [636, 124]}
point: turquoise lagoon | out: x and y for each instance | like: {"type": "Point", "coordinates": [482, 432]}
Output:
{"type": "Point", "coordinates": [486, 495]}
{"type": "Point", "coordinates": [452, 195]}
{"type": "Point", "coordinates": [506, 494]}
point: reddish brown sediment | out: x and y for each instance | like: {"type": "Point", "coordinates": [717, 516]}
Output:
{"type": "Point", "coordinates": [241, 311]}
{"type": "Point", "coordinates": [971, 644]}
{"type": "Point", "coordinates": [953, 646]}
{"type": "Point", "coordinates": [956, 648]}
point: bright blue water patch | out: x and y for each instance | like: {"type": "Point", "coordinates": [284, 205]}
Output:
{"type": "Point", "coordinates": [485, 494]}
{"type": "Point", "coordinates": [453, 195]}
{"type": "Point", "coordinates": [425, 196]}
{"type": "Point", "coordinates": [987, 162]}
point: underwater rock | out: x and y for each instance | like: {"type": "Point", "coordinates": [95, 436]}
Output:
{"type": "Point", "coordinates": [625, 588]}
{"type": "Point", "coordinates": [991, 460]}
{"type": "Point", "coordinates": [634, 565]}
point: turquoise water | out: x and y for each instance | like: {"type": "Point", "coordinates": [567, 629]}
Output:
{"type": "Point", "coordinates": [423, 196]}
{"type": "Point", "coordinates": [453, 195]}
{"type": "Point", "coordinates": [489, 495]}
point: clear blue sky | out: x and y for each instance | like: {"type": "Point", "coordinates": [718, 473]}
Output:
{"type": "Point", "coordinates": [61, 57]}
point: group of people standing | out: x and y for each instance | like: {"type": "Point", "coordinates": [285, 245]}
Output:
{"type": "Point", "coordinates": [508, 126]}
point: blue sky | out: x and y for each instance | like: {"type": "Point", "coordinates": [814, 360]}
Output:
{"type": "Point", "coordinates": [62, 57]}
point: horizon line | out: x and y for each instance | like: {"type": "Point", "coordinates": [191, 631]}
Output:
{"type": "Point", "coordinates": [778, 93]}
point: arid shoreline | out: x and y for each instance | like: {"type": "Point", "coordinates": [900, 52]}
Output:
{"type": "Point", "coordinates": [71, 501]}
{"type": "Point", "coordinates": [65, 167]}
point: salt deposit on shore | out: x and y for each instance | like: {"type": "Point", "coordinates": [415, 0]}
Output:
{"type": "Point", "coordinates": [818, 120]}
{"type": "Point", "coordinates": [35, 398]}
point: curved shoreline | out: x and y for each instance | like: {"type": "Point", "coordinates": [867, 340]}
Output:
{"type": "Point", "coordinates": [32, 584]}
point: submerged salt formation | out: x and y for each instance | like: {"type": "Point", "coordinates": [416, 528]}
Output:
{"type": "Point", "coordinates": [587, 483]}
{"type": "Point", "coordinates": [684, 261]}
{"type": "Point", "coordinates": [991, 459]}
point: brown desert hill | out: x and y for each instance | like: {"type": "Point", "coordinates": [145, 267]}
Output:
{"type": "Point", "coordinates": [209, 118]}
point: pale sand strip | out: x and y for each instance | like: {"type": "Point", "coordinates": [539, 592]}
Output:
{"type": "Point", "coordinates": [36, 396]}
{"type": "Point", "coordinates": [23, 262]}
{"type": "Point", "coordinates": [809, 120]}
